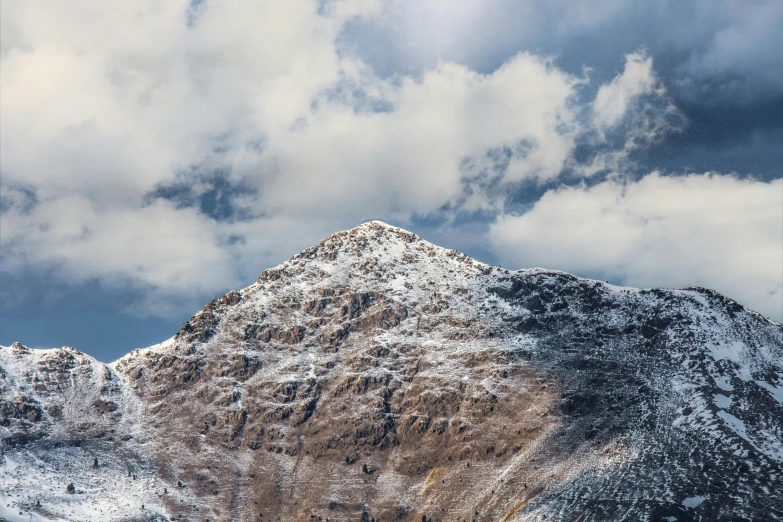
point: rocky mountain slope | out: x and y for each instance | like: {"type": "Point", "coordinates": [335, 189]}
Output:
{"type": "Point", "coordinates": [376, 376]}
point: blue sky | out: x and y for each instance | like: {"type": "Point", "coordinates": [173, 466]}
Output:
{"type": "Point", "coordinates": [154, 155]}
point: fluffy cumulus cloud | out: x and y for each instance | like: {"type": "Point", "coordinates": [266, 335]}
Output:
{"type": "Point", "coordinates": [181, 146]}
{"type": "Point", "coordinates": [707, 230]}
{"type": "Point", "coordinates": [107, 110]}
{"type": "Point", "coordinates": [612, 101]}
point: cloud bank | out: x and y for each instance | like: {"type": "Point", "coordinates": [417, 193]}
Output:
{"type": "Point", "coordinates": [707, 230]}
{"type": "Point", "coordinates": [180, 147]}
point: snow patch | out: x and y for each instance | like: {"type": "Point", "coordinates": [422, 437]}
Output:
{"type": "Point", "coordinates": [722, 401]}
{"type": "Point", "coordinates": [736, 425]}
{"type": "Point", "coordinates": [727, 350]}
{"type": "Point", "coordinates": [775, 391]}
{"type": "Point", "coordinates": [692, 502]}
{"type": "Point", "coordinates": [724, 384]}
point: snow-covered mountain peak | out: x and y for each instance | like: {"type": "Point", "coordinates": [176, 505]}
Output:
{"type": "Point", "coordinates": [374, 244]}
{"type": "Point", "coordinates": [378, 376]}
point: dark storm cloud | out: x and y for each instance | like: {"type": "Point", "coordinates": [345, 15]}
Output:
{"type": "Point", "coordinates": [734, 43]}
{"type": "Point", "coordinates": [725, 137]}
{"type": "Point", "coordinates": [720, 61]}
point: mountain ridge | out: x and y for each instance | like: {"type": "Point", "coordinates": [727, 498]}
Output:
{"type": "Point", "coordinates": [378, 376]}
{"type": "Point", "coordinates": [403, 232]}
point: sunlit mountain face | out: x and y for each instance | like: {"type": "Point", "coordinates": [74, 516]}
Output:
{"type": "Point", "coordinates": [376, 376]}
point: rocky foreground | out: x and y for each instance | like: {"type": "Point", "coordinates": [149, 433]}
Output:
{"type": "Point", "coordinates": [376, 376]}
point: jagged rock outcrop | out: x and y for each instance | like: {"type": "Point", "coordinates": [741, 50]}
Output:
{"type": "Point", "coordinates": [378, 377]}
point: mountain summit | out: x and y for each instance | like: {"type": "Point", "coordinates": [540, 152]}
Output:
{"type": "Point", "coordinates": [376, 376]}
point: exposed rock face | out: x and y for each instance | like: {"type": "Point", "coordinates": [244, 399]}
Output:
{"type": "Point", "coordinates": [376, 376]}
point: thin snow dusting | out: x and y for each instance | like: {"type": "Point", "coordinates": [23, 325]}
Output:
{"type": "Point", "coordinates": [33, 487]}
{"type": "Point", "coordinates": [73, 397]}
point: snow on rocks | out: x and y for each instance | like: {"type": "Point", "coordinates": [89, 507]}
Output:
{"type": "Point", "coordinates": [376, 375]}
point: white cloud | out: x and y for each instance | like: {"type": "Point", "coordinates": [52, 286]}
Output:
{"type": "Point", "coordinates": [104, 103]}
{"type": "Point", "coordinates": [121, 95]}
{"type": "Point", "coordinates": [158, 244]}
{"type": "Point", "coordinates": [407, 160]}
{"type": "Point", "coordinates": [614, 99]}
{"type": "Point", "coordinates": [706, 230]}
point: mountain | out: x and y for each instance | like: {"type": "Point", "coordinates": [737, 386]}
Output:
{"type": "Point", "coordinates": [376, 376]}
